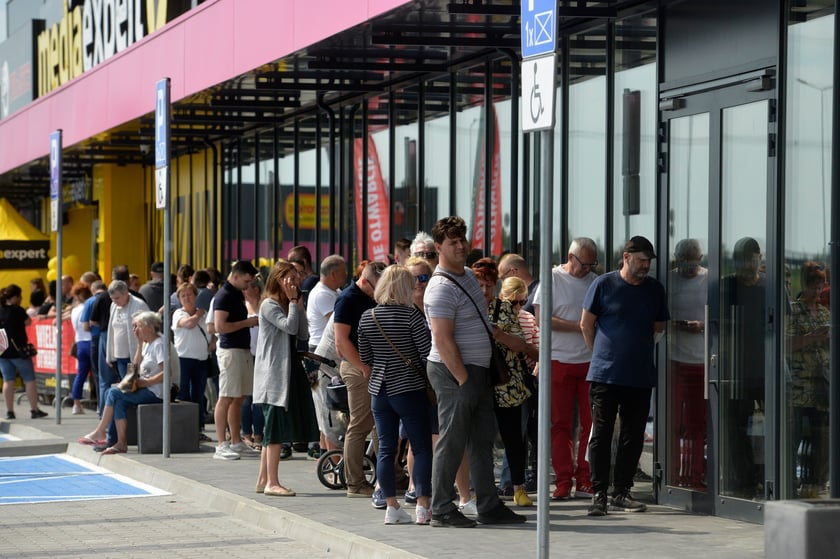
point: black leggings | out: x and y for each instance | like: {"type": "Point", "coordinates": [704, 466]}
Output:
{"type": "Point", "coordinates": [513, 437]}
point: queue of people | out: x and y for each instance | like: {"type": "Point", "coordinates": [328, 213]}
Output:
{"type": "Point", "coordinates": [426, 324]}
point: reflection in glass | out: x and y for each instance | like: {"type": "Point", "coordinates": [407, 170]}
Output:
{"type": "Point", "coordinates": [688, 185]}
{"type": "Point", "coordinates": [743, 300]}
{"type": "Point", "coordinates": [805, 356]}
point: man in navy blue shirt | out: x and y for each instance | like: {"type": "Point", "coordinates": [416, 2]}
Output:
{"type": "Point", "coordinates": [351, 303]}
{"type": "Point", "coordinates": [624, 314]}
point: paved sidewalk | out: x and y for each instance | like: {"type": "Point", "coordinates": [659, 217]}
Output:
{"type": "Point", "coordinates": [209, 495]}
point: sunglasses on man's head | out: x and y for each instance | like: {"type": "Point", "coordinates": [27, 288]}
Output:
{"type": "Point", "coordinates": [421, 278]}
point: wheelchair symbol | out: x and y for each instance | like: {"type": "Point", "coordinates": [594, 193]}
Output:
{"type": "Point", "coordinates": [536, 99]}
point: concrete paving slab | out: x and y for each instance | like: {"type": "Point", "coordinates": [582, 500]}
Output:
{"type": "Point", "coordinates": [330, 522]}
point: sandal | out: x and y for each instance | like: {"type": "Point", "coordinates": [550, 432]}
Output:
{"type": "Point", "coordinates": [257, 444]}
{"type": "Point", "coordinates": [114, 450]}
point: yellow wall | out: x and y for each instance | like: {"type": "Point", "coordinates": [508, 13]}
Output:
{"type": "Point", "coordinates": [123, 207]}
{"type": "Point", "coordinates": [77, 239]}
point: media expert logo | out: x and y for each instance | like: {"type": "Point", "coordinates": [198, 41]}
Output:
{"type": "Point", "coordinates": [24, 255]}
{"type": "Point", "coordinates": [90, 33]}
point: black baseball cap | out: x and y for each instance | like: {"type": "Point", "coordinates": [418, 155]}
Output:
{"type": "Point", "coordinates": [640, 244]}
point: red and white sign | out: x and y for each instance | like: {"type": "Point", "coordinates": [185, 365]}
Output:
{"type": "Point", "coordinates": [479, 190]}
{"type": "Point", "coordinates": [378, 224]}
{"type": "Point", "coordinates": [41, 334]}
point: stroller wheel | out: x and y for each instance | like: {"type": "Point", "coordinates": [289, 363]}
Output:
{"type": "Point", "coordinates": [369, 466]}
{"type": "Point", "coordinates": [330, 468]}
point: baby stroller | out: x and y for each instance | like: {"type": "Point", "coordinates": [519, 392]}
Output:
{"type": "Point", "coordinates": [330, 466]}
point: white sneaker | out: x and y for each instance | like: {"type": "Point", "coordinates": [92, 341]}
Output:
{"type": "Point", "coordinates": [468, 508]}
{"type": "Point", "coordinates": [78, 410]}
{"type": "Point", "coordinates": [424, 515]}
{"type": "Point", "coordinates": [224, 452]}
{"type": "Point", "coordinates": [397, 516]}
{"type": "Point", "coordinates": [242, 449]}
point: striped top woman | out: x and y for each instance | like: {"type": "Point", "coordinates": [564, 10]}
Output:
{"type": "Point", "coordinates": [394, 341]}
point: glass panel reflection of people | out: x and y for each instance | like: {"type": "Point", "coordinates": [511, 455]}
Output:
{"type": "Point", "coordinates": [743, 364]}
{"type": "Point", "coordinates": [687, 290]}
{"type": "Point", "coordinates": [807, 333]}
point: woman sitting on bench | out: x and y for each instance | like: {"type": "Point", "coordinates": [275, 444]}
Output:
{"type": "Point", "coordinates": [149, 360]}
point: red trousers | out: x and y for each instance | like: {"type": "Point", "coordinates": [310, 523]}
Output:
{"type": "Point", "coordinates": [568, 385]}
{"type": "Point", "coordinates": [687, 425]}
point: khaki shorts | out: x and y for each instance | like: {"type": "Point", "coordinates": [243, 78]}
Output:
{"type": "Point", "coordinates": [236, 372]}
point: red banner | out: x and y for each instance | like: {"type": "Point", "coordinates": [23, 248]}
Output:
{"type": "Point", "coordinates": [378, 225]}
{"type": "Point", "coordinates": [479, 191]}
{"type": "Point", "coordinates": [41, 334]}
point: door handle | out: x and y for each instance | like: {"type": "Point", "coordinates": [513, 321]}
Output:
{"type": "Point", "coordinates": [707, 360]}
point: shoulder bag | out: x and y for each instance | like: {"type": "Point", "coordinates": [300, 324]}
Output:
{"type": "Point", "coordinates": [27, 350]}
{"type": "Point", "coordinates": [430, 392]}
{"type": "Point", "coordinates": [128, 384]}
{"type": "Point", "coordinates": [499, 371]}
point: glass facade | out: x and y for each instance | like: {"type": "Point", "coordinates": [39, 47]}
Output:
{"type": "Point", "coordinates": [807, 201]}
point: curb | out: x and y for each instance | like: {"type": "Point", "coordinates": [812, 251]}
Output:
{"type": "Point", "coordinates": [287, 524]}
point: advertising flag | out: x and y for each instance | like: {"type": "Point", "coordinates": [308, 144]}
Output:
{"type": "Point", "coordinates": [376, 204]}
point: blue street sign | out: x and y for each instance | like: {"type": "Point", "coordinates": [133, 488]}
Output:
{"type": "Point", "coordinates": [55, 178]}
{"type": "Point", "coordinates": [162, 123]}
{"type": "Point", "coordinates": [55, 164]}
{"type": "Point", "coordinates": [539, 27]}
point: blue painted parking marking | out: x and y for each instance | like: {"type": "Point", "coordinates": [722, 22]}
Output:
{"type": "Point", "coordinates": [58, 477]}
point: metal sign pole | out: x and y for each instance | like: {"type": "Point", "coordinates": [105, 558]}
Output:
{"type": "Point", "coordinates": [539, 66]}
{"type": "Point", "coordinates": [546, 302]}
{"type": "Point", "coordinates": [162, 157]}
{"type": "Point", "coordinates": [55, 221]}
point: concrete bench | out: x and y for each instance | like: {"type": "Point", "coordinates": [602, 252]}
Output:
{"type": "Point", "coordinates": [145, 428]}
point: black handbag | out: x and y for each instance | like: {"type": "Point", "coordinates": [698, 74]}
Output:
{"type": "Point", "coordinates": [26, 350]}
{"type": "Point", "coordinates": [499, 372]}
{"type": "Point", "coordinates": [74, 350]}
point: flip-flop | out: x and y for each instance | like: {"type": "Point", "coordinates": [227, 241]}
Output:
{"type": "Point", "coordinates": [113, 450]}
{"type": "Point", "coordinates": [281, 492]}
{"type": "Point", "coordinates": [90, 442]}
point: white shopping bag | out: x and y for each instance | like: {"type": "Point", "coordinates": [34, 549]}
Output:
{"type": "Point", "coordinates": [4, 340]}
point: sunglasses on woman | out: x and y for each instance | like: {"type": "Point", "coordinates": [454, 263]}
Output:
{"type": "Point", "coordinates": [421, 278]}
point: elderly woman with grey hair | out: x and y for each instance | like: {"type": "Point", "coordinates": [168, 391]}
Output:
{"type": "Point", "coordinates": [148, 358]}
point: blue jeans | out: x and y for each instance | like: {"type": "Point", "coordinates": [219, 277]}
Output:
{"type": "Point", "coordinates": [82, 369]}
{"type": "Point", "coordinates": [11, 367]}
{"type": "Point", "coordinates": [122, 401]}
{"type": "Point", "coordinates": [107, 375]}
{"type": "Point", "coordinates": [467, 421]}
{"type": "Point", "coordinates": [253, 420]}
{"type": "Point", "coordinates": [193, 383]}
{"type": "Point", "coordinates": [122, 369]}
{"type": "Point", "coordinates": [413, 409]}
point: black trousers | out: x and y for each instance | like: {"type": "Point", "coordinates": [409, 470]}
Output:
{"type": "Point", "coordinates": [631, 406]}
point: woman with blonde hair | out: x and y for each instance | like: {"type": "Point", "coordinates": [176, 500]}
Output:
{"type": "Point", "coordinates": [394, 341]}
{"type": "Point", "coordinates": [510, 397]}
{"type": "Point", "coordinates": [280, 383]}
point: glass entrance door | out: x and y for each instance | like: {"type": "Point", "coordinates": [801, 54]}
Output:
{"type": "Point", "coordinates": [713, 448]}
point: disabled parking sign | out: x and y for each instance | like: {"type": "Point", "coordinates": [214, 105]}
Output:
{"type": "Point", "coordinates": [538, 93]}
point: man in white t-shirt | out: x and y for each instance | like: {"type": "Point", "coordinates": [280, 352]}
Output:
{"type": "Point", "coordinates": [322, 297]}
{"type": "Point", "coordinates": [569, 364]}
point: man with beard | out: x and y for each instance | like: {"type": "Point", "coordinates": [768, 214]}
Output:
{"type": "Point", "coordinates": [624, 314]}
